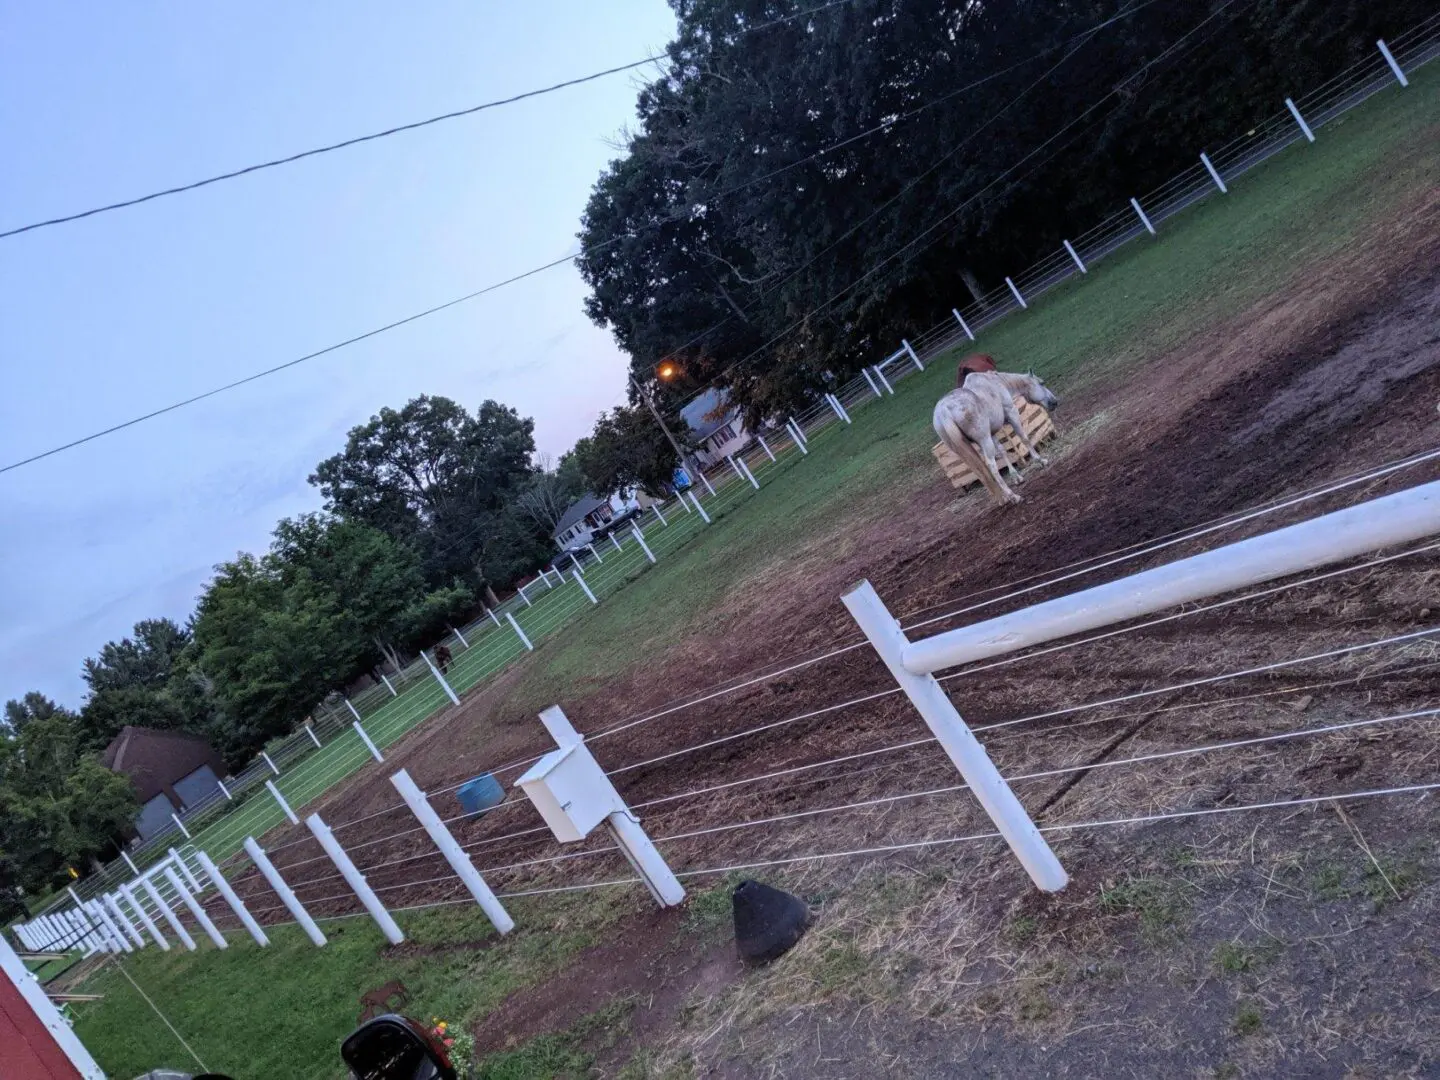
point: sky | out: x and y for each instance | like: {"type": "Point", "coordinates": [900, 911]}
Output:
{"type": "Point", "coordinates": [109, 317]}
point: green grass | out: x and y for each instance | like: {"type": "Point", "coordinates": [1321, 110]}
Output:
{"type": "Point", "coordinates": [256, 1014]}
{"type": "Point", "coordinates": [282, 1011]}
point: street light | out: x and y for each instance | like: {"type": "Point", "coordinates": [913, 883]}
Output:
{"type": "Point", "coordinates": [666, 371]}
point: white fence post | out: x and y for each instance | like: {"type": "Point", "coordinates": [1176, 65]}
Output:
{"type": "Point", "coordinates": [285, 806]}
{"type": "Point", "coordinates": [658, 514]}
{"type": "Point", "coordinates": [449, 692]}
{"type": "Point", "coordinates": [180, 825]}
{"type": "Point", "coordinates": [911, 351]}
{"type": "Point", "coordinates": [354, 712]}
{"type": "Point", "coordinates": [369, 745]}
{"type": "Point", "coordinates": [648, 863]}
{"type": "Point", "coordinates": [1214, 173]}
{"type": "Point", "coordinates": [355, 879]}
{"type": "Point", "coordinates": [963, 324]}
{"type": "Point", "coordinates": [598, 559]}
{"type": "Point", "coordinates": [453, 852]}
{"type": "Point", "coordinates": [839, 409]}
{"type": "Point", "coordinates": [1304, 127]}
{"type": "Point", "coordinates": [185, 870]}
{"type": "Point", "coordinates": [1075, 255]}
{"type": "Point", "coordinates": [1144, 220]}
{"type": "Point", "coordinates": [1016, 293]}
{"type": "Point", "coordinates": [144, 916]}
{"type": "Point", "coordinates": [129, 861]}
{"type": "Point", "coordinates": [232, 898]}
{"type": "Point", "coordinates": [706, 481]}
{"type": "Point", "coordinates": [225, 790]}
{"type": "Point", "coordinates": [744, 468]}
{"type": "Point", "coordinates": [287, 895]}
{"type": "Point", "coordinates": [764, 446]}
{"type": "Point", "coordinates": [1390, 59]}
{"type": "Point", "coordinates": [797, 435]}
{"type": "Point", "coordinates": [388, 685]}
{"type": "Point", "coordinates": [614, 541]}
{"type": "Point", "coordinates": [940, 715]}
{"type": "Point", "coordinates": [167, 914]}
{"type": "Point", "coordinates": [273, 769]}
{"type": "Point", "coordinates": [698, 509]}
{"type": "Point", "coordinates": [524, 596]}
{"type": "Point", "coordinates": [119, 942]}
{"type": "Point", "coordinates": [640, 539]}
{"type": "Point", "coordinates": [879, 374]}
{"type": "Point", "coordinates": [310, 728]}
{"type": "Point", "coordinates": [521, 633]}
{"type": "Point", "coordinates": [196, 911]}
{"type": "Point", "coordinates": [123, 920]}
{"type": "Point", "coordinates": [455, 630]}
{"type": "Point", "coordinates": [492, 616]}
{"type": "Point", "coordinates": [873, 388]}
{"type": "Point", "coordinates": [578, 581]}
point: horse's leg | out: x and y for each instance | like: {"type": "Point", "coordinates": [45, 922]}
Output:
{"type": "Point", "coordinates": [1003, 462]}
{"type": "Point", "coordinates": [1012, 417]}
{"type": "Point", "coordinates": [989, 452]}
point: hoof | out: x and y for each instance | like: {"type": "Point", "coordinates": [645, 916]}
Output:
{"type": "Point", "coordinates": [1013, 499]}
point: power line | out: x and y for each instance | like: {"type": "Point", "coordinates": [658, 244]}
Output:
{"type": "Point", "coordinates": [385, 133]}
{"type": "Point", "coordinates": [568, 258]}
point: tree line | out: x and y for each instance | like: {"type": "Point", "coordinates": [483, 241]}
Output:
{"type": "Point", "coordinates": [428, 511]}
{"type": "Point", "coordinates": [794, 199]}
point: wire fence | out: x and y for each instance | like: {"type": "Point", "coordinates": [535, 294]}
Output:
{"type": "Point", "coordinates": [328, 749]}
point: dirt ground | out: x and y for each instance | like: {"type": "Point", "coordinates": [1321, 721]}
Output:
{"type": "Point", "coordinates": [1295, 942]}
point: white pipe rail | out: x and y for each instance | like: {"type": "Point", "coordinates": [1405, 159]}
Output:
{"type": "Point", "coordinates": [1344, 534]}
{"type": "Point", "coordinates": [453, 852]}
{"type": "Point", "coordinates": [110, 900]}
{"type": "Point", "coordinates": [915, 359]}
{"type": "Point", "coordinates": [884, 381]}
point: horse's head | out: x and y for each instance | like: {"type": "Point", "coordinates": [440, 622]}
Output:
{"type": "Point", "coordinates": [1034, 390]}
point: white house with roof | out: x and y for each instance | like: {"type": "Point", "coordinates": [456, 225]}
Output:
{"type": "Point", "coordinates": [716, 426]}
{"type": "Point", "coordinates": [577, 525]}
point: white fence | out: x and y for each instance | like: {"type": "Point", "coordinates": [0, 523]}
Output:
{"type": "Point", "coordinates": [406, 697]}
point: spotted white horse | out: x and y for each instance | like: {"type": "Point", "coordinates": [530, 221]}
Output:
{"type": "Point", "coordinates": [968, 419]}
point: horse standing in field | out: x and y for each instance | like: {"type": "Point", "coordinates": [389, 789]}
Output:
{"type": "Point", "coordinates": [968, 418]}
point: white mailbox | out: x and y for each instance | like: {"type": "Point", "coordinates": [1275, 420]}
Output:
{"type": "Point", "coordinates": [571, 791]}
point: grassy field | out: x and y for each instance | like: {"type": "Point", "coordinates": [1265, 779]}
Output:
{"type": "Point", "coordinates": [280, 1012]}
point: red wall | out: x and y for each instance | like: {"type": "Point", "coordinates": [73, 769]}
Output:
{"type": "Point", "coordinates": [27, 1052]}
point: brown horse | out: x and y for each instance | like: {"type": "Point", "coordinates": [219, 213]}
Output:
{"type": "Point", "coordinates": [973, 365]}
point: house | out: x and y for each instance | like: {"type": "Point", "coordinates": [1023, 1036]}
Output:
{"type": "Point", "coordinates": [716, 426]}
{"type": "Point", "coordinates": [171, 771]}
{"type": "Point", "coordinates": [577, 525]}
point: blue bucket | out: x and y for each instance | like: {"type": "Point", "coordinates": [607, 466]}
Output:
{"type": "Point", "coordinates": [480, 794]}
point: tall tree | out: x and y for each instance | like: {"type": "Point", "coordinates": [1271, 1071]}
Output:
{"type": "Point", "coordinates": [551, 490]}
{"type": "Point", "coordinates": [795, 199]}
{"type": "Point", "coordinates": [58, 806]}
{"type": "Point", "coordinates": [627, 448]}
{"type": "Point", "coordinates": [146, 660]}
{"type": "Point", "coordinates": [440, 480]}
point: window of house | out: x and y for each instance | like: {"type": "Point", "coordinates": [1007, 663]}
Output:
{"type": "Point", "coordinates": [723, 434]}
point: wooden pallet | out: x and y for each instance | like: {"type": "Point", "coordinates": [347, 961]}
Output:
{"type": "Point", "coordinates": [1037, 427]}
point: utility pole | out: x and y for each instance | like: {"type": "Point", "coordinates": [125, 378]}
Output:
{"type": "Point", "coordinates": [674, 443]}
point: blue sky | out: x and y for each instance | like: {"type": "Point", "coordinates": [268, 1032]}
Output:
{"type": "Point", "coordinates": [106, 318]}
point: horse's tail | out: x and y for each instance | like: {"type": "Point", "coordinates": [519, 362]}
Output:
{"type": "Point", "coordinates": [951, 435]}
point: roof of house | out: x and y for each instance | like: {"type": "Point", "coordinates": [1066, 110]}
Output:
{"type": "Point", "coordinates": [698, 414]}
{"type": "Point", "coordinates": [154, 759]}
{"type": "Point", "coordinates": [577, 510]}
